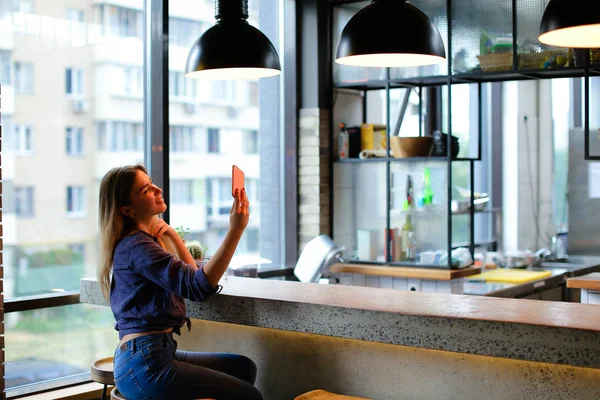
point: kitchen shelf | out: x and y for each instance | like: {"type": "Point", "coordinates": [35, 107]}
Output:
{"type": "Point", "coordinates": [491, 211]}
{"type": "Point", "coordinates": [401, 160]}
{"type": "Point", "coordinates": [482, 77]}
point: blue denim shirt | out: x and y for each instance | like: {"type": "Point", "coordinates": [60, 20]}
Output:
{"type": "Point", "coordinates": [149, 284]}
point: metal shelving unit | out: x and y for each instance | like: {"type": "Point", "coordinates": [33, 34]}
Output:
{"type": "Point", "coordinates": [462, 24]}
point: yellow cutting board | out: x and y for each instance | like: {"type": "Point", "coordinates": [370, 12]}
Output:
{"type": "Point", "coordinates": [507, 275]}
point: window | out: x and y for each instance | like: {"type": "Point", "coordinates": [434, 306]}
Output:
{"type": "Point", "coordinates": [213, 140]}
{"type": "Point", "coordinates": [123, 22]}
{"type": "Point", "coordinates": [75, 199]}
{"type": "Point", "coordinates": [182, 191]}
{"type": "Point", "coordinates": [117, 136]}
{"type": "Point", "coordinates": [184, 32]}
{"type": "Point", "coordinates": [184, 139]}
{"type": "Point", "coordinates": [133, 81]}
{"type": "Point", "coordinates": [74, 15]}
{"type": "Point", "coordinates": [74, 141]}
{"type": "Point", "coordinates": [74, 81]}
{"type": "Point", "coordinates": [23, 78]}
{"type": "Point", "coordinates": [253, 89]}
{"type": "Point", "coordinates": [23, 139]}
{"type": "Point", "coordinates": [5, 67]}
{"type": "Point", "coordinates": [181, 87]}
{"type": "Point", "coordinates": [251, 142]}
{"type": "Point", "coordinates": [50, 224]}
{"type": "Point", "coordinates": [226, 120]}
{"type": "Point", "coordinates": [218, 196]}
{"type": "Point", "coordinates": [24, 202]}
{"type": "Point", "coordinates": [224, 91]}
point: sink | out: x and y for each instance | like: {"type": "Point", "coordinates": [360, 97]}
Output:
{"type": "Point", "coordinates": [567, 265]}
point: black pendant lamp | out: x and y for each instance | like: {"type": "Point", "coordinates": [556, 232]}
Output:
{"type": "Point", "coordinates": [390, 33]}
{"type": "Point", "coordinates": [232, 48]}
{"type": "Point", "coordinates": [571, 23]}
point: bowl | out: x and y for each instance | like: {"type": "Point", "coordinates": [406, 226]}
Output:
{"type": "Point", "coordinates": [406, 147]}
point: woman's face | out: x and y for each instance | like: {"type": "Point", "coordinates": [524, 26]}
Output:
{"type": "Point", "coordinates": [146, 199]}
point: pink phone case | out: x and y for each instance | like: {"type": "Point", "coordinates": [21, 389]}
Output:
{"type": "Point", "coordinates": [237, 180]}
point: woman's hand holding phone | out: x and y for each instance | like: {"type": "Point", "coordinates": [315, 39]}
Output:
{"type": "Point", "coordinates": [240, 213]}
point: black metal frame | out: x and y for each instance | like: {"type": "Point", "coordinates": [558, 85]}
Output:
{"type": "Point", "coordinates": [447, 81]}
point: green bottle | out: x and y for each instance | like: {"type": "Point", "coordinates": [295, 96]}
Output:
{"type": "Point", "coordinates": [408, 239]}
{"type": "Point", "coordinates": [427, 192]}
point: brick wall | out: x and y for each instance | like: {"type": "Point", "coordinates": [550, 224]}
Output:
{"type": "Point", "coordinates": [313, 175]}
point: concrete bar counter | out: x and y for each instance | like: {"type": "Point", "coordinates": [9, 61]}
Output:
{"type": "Point", "coordinates": [390, 344]}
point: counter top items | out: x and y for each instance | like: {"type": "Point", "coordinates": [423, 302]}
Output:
{"type": "Point", "coordinates": [440, 145]}
{"type": "Point", "coordinates": [316, 257]}
{"type": "Point", "coordinates": [507, 275]}
{"type": "Point", "coordinates": [406, 147]}
{"type": "Point", "coordinates": [589, 282]}
{"type": "Point", "coordinates": [405, 272]}
{"type": "Point", "coordinates": [488, 326]}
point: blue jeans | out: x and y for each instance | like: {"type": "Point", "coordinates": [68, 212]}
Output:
{"type": "Point", "coordinates": [151, 367]}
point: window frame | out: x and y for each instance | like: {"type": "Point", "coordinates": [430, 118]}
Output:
{"type": "Point", "coordinates": [76, 139]}
{"type": "Point", "coordinates": [22, 68]}
{"type": "Point", "coordinates": [77, 193]}
{"type": "Point", "coordinates": [155, 133]}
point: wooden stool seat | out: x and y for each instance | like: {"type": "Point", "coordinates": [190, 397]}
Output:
{"type": "Point", "coordinates": [115, 395]}
{"type": "Point", "coordinates": [324, 395]}
{"type": "Point", "coordinates": [102, 371]}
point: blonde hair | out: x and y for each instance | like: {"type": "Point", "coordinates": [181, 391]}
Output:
{"type": "Point", "coordinates": [115, 192]}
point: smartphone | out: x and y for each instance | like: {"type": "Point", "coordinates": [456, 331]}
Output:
{"type": "Point", "coordinates": [237, 179]}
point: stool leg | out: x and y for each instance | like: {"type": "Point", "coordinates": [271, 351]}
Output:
{"type": "Point", "coordinates": [103, 393]}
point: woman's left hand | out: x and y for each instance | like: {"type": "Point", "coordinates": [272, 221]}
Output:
{"type": "Point", "coordinates": [240, 213]}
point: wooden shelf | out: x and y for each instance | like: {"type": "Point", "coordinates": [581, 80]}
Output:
{"type": "Point", "coordinates": [406, 272]}
{"type": "Point", "coordinates": [589, 282]}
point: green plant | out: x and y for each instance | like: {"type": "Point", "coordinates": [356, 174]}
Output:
{"type": "Point", "coordinates": [182, 231]}
{"type": "Point", "coordinates": [196, 249]}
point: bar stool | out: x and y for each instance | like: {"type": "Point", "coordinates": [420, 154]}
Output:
{"type": "Point", "coordinates": [102, 371]}
{"type": "Point", "coordinates": [324, 395]}
{"type": "Point", "coordinates": [116, 395]}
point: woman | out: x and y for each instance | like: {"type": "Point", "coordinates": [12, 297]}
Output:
{"type": "Point", "coordinates": [151, 273]}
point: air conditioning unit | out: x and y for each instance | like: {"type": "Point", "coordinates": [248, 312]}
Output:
{"type": "Point", "coordinates": [189, 108]}
{"type": "Point", "coordinates": [80, 106]}
{"type": "Point", "coordinates": [232, 112]}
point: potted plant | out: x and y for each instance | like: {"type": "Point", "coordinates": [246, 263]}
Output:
{"type": "Point", "coordinates": [196, 248]}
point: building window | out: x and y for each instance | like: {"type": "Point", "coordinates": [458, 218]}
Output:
{"type": "Point", "coordinates": [75, 200]}
{"type": "Point", "coordinates": [253, 90]}
{"type": "Point", "coordinates": [23, 139]}
{"type": "Point", "coordinates": [223, 91]}
{"type": "Point", "coordinates": [182, 191]}
{"type": "Point", "coordinates": [184, 32]}
{"type": "Point", "coordinates": [115, 136]}
{"type": "Point", "coordinates": [218, 196]}
{"type": "Point", "coordinates": [5, 67]}
{"type": "Point", "coordinates": [181, 87]}
{"type": "Point", "coordinates": [101, 135]}
{"type": "Point", "coordinates": [251, 142]}
{"type": "Point", "coordinates": [214, 145]}
{"type": "Point", "coordinates": [74, 81]}
{"type": "Point", "coordinates": [133, 81]}
{"type": "Point", "coordinates": [24, 202]}
{"type": "Point", "coordinates": [74, 15]}
{"type": "Point", "coordinates": [125, 22]}
{"type": "Point", "coordinates": [184, 139]}
{"type": "Point", "coordinates": [74, 141]}
{"type": "Point", "coordinates": [23, 78]}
